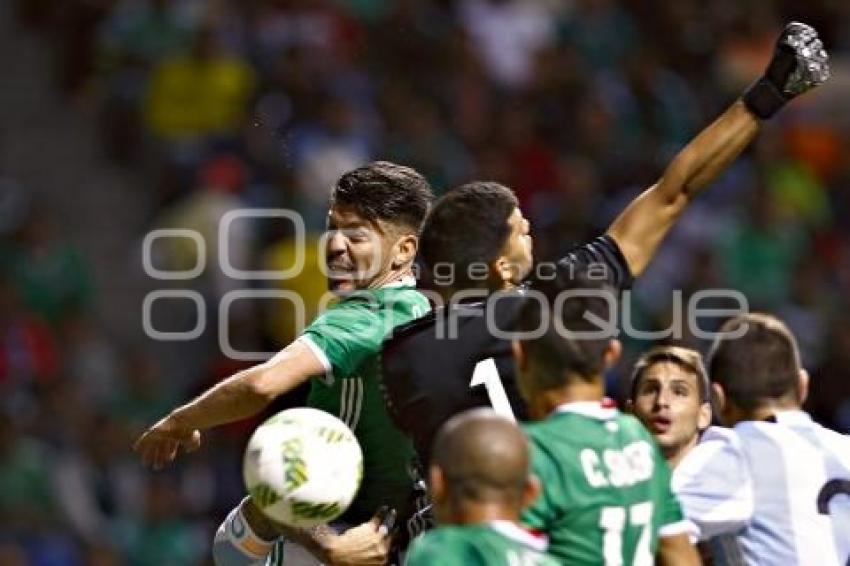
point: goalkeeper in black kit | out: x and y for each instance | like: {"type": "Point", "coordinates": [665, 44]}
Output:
{"type": "Point", "coordinates": [459, 357]}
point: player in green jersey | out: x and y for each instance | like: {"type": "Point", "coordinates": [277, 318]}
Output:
{"type": "Point", "coordinates": [373, 224]}
{"type": "Point", "coordinates": [606, 495]}
{"type": "Point", "coordinates": [480, 481]}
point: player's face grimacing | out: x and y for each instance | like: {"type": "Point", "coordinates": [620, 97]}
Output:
{"type": "Point", "coordinates": [357, 251]}
{"type": "Point", "coordinates": [516, 258]}
{"type": "Point", "coordinates": [667, 401]}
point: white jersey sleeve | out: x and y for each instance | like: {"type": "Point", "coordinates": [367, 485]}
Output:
{"type": "Point", "coordinates": [714, 485]}
{"type": "Point", "coordinates": [235, 544]}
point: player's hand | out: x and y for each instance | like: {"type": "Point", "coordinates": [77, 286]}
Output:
{"type": "Point", "coordinates": [799, 63]}
{"type": "Point", "coordinates": [160, 444]}
{"type": "Point", "coordinates": [367, 544]}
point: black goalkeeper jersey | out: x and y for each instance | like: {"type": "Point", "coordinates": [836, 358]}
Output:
{"type": "Point", "coordinates": [428, 363]}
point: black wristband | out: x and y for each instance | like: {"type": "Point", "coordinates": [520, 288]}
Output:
{"type": "Point", "coordinates": [764, 99]}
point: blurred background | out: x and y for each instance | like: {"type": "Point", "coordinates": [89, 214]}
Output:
{"type": "Point", "coordinates": [118, 117]}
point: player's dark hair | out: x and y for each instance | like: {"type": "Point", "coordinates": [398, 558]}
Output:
{"type": "Point", "coordinates": [687, 359]}
{"type": "Point", "coordinates": [385, 191]}
{"type": "Point", "coordinates": [576, 348]}
{"type": "Point", "coordinates": [467, 225]}
{"type": "Point", "coordinates": [762, 365]}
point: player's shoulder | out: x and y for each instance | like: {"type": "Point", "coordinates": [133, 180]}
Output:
{"type": "Point", "coordinates": [825, 439]}
{"type": "Point", "coordinates": [413, 328]}
{"type": "Point", "coordinates": [630, 424]}
{"type": "Point", "coordinates": [719, 448]}
{"type": "Point", "coordinates": [347, 313]}
{"type": "Point", "coordinates": [442, 545]}
{"type": "Point", "coordinates": [720, 438]}
{"type": "Point", "coordinates": [602, 257]}
{"type": "Point", "coordinates": [449, 317]}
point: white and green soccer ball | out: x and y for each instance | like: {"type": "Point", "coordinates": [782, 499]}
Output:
{"type": "Point", "coordinates": [302, 467]}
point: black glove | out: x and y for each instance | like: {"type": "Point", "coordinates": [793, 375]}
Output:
{"type": "Point", "coordinates": [799, 64]}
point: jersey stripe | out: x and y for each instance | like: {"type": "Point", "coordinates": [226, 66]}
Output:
{"type": "Point", "coordinates": [358, 402]}
{"type": "Point", "coordinates": [345, 402]}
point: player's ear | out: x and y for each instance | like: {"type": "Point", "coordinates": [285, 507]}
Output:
{"type": "Point", "coordinates": [503, 270]}
{"type": "Point", "coordinates": [436, 483]}
{"type": "Point", "coordinates": [531, 491]}
{"type": "Point", "coordinates": [803, 385]}
{"type": "Point", "coordinates": [718, 397]}
{"type": "Point", "coordinates": [630, 406]}
{"type": "Point", "coordinates": [704, 417]}
{"type": "Point", "coordinates": [404, 250]}
{"type": "Point", "coordinates": [612, 352]}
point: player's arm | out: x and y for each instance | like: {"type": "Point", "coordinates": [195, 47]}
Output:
{"type": "Point", "coordinates": [799, 64]}
{"type": "Point", "coordinates": [241, 395]}
{"type": "Point", "coordinates": [677, 551]}
{"type": "Point", "coordinates": [246, 537]}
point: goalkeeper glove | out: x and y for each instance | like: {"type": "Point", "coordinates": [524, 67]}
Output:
{"type": "Point", "coordinates": [799, 64]}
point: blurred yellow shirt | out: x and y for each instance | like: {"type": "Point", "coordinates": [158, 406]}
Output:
{"type": "Point", "coordinates": [191, 97]}
{"type": "Point", "coordinates": [310, 284]}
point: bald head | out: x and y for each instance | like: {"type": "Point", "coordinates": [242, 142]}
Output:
{"type": "Point", "coordinates": [482, 457]}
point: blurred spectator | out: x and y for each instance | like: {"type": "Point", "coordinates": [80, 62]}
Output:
{"type": "Point", "coordinates": [133, 40]}
{"type": "Point", "coordinates": [27, 497]}
{"type": "Point", "coordinates": [324, 149]}
{"type": "Point", "coordinates": [309, 284]}
{"type": "Point", "coordinates": [759, 254]}
{"type": "Point", "coordinates": [163, 536]}
{"type": "Point", "coordinates": [28, 355]}
{"type": "Point", "coordinates": [89, 359]}
{"type": "Point", "coordinates": [203, 93]}
{"type": "Point", "coordinates": [418, 137]}
{"type": "Point", "coordinates": [508, 34]}
{"type": "Point", "coordinates": [220, 180]}
{"type": "Point", "coordinates": [602, 30]}
{"type": "Point", "coordinates": [99, 485]}
{"type": "Point", "coordinates": [50, 275]}
{"type": "Point", "coordinates": [830, 398]}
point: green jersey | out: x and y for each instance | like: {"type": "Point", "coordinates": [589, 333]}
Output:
{"type": "Point", "coordinates": [606, 495]}
{"type": "Point", "coordinates": [347, 338]}
{"type": "Point", "coordinates": [495, 543]}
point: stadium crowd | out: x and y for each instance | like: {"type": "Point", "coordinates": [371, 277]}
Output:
{"type": "Point", "coordinates": [221, 105]}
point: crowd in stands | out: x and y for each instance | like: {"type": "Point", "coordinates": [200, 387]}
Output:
{"type": "Point", "coordinates": [222, 105]}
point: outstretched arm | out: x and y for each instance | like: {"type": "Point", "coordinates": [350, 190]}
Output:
{"type": "Point", "coordinates": [241, 395]}
{"type": "Point", "coordinates": [641, 227]}
{"type": "Point", "coordinates": [799, 64]}
{"type": "Point", "coordinates": [246, 538]}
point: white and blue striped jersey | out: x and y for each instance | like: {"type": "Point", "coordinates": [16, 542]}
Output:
{"type": "Point", "coordinates": [781, 488]}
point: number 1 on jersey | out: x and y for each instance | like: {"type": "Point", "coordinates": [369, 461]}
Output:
{"type": "Point", "coordinates": [487, 374]}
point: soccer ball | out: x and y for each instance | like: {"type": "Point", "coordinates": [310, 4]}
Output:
{"type": "Point", "coordinates": [302, 467]}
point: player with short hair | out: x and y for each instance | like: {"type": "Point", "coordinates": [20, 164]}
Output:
{"type": "Point", "coordinates": [480, 481]}
{"type": "Point", "coordinates": [670, 395]}
{"type": "Point", "coordinates": [606, 496]}
{"type": "Point", "coordinates": [776, 480]}
{"type": "Point", "coordinates": [476, 242]}
{"type": "Point", "coordinates": [373, 224]}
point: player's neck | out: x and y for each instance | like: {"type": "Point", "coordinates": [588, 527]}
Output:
{"type": "Point", "coordinates": [471, 513]}
{"type": "Point", "coordinates": [763, 412]}
{"type": "Point", "coordinates": [391, 276]}
{"type": "Point", "coordinates": [572, 392]}
{"type": "Point", "coordinates": [676, 454]}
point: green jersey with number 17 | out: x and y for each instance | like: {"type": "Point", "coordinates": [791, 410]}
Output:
{"type": "Point", "coordinates": [606, 496]}
{"type": "Point", "coordinates": [347, 338]}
